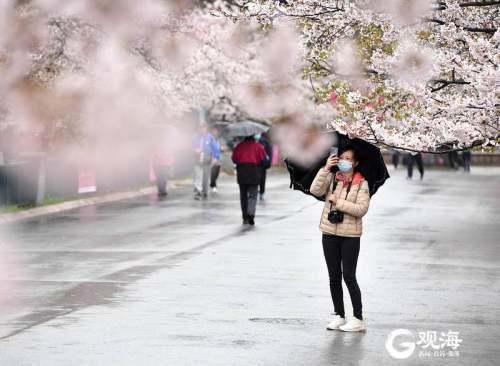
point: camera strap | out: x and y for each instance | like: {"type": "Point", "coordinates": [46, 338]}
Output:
{"type": "Point", "coordinates": [334, 187]}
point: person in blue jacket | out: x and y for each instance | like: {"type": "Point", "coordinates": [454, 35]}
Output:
{"type": "Point", "coordinates": [207, 152]}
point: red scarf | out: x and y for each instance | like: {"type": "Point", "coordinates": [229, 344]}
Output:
{"type": "Point", "coordinates": [356, 178]}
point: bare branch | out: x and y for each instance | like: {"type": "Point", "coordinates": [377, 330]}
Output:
{"type": "Point", "coordinates": [445, 83]}
{"type": "Point", "coordinates": [479, 3]}
{"type": "Point", "coordinates": [469, 29]}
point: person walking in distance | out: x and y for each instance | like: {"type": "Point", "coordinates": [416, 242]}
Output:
{"type": "Point", "coordinates": [347, 201]}
{"type": "Point", "coordinates": [466, 157]}
{"type": "Point", "coordinates": [162, 163]}
{"type": "Point", "coordinates": [454, 160]}
{"type": "Point", "coordinates": [268, 147]}
{"type": "Point", "coordinates": [248, 156]}
{"type": "Point", "coordinates": [216, 165]}
{"type": "Point", "coordinates": [395, 158]}
{"type": "Point", "coordinates": [413, 158]}
{"type": "Point", "coordinates": [206, 153]}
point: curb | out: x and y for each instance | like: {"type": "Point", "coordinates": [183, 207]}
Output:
{"type": "Point", "coordinates": [70, 205]}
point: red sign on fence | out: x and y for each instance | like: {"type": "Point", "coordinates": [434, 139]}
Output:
{"type": "Point", "coordinates": [86, 180]}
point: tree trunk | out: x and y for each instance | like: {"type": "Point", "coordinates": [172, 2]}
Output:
{"type": "Point", "coordinates": [42, 180]}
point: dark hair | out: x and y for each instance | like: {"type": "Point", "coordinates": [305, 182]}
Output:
{"type": "Point", "coordinates": [355, 151]}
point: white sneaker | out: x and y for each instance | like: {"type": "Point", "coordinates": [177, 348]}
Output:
{"type": "Point", "coordinates": [214, 189]}
{"type": "Point", "coordinates": [336, 322]}
{"type": "Point", "coordinates": [353, 325]}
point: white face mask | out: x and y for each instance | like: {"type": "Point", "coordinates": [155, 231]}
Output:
{"type": "Point", "coordinates": [344, 165]}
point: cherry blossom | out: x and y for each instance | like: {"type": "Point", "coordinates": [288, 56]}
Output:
{"type": "Point", "coordinates": [420, 75]}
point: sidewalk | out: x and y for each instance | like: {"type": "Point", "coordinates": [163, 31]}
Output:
{"type": "Point", "coordinates": [87, 201]}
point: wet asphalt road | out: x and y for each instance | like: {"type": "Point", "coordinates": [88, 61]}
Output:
{"type": "Point", "coordinates": [180, 282]}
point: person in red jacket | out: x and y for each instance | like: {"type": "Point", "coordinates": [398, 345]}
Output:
{"type": "Point", "coordinates": [249, 157]}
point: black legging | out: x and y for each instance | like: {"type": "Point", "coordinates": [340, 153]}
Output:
{"type": "Point", "coordinates": [345, 250]}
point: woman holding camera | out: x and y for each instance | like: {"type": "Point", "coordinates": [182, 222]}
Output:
{"type": "Point", "coordinates": [347, 200]}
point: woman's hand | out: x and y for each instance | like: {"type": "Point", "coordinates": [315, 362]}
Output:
{"type": "Point", "coordinates": [332, 198]}
{"type": "Point", "coordinates": [331, 162]}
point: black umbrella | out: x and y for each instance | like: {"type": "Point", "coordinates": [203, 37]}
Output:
{"type": "Point", "coordinates": [371, 165]}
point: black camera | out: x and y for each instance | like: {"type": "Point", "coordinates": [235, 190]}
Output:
{"type": "Point", "coordinates": [335, 216]}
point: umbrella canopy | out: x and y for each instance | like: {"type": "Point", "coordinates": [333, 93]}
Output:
{"type": "Point", "coordinates": [221, 124]}
{"type": "Point", "coordinates": [245, 129]}
{"type": "Point", "coordinates": [371, 165]}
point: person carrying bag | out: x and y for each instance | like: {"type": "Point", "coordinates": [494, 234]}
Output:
{"type": "Point", "coordinates": [347, 201]}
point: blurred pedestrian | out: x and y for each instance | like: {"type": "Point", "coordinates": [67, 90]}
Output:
{"type": "Point", "coordinates": [249, 155]}
{"type": "Point", "coordinates": [216, 165]}
{"type": "Point", "coordinates": [207, 152]}
{"type": "Point", "coordinates": [413, 158]}
{"type": "Point", "coordinates": [395, 158]}
{"type": "Point", "coordinates": [163, 160]}
{"type": "Point", "coordinates": [268, 148]}
{"type": "Point", "coordinates": [162, 169]}
{"type": "Point", "coordinates": [453, 160]}
{"type": "Point", "coordinates": [467, 157]}
{"type": "Point", "coordinates": [347, 201]}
